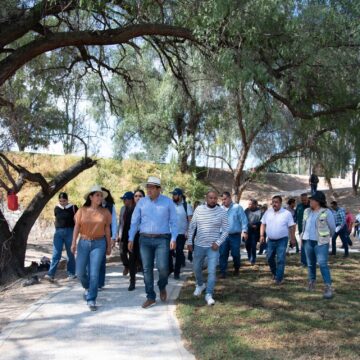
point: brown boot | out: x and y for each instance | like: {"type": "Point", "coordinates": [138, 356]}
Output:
{"type": "Point", "coordinates": [163, 295]}
{"type": "Point", "coordinates": [148, 303]}
{"type": "Point", "coordinates": [125, 271]}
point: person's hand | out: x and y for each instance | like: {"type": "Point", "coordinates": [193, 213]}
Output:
{"type": "Point", "coordinates": [190, 248]}
{"type": "Point", "coordinates": [262, 239]}
{"type": "Point", "coordinates": [293, 242]}
{"type": "Point", "coordinates": [172, 245]}
{"type": "Point", "coordinates": [130, 246]}
{"type": "Point", "coordinates": [254, 226]}
{"type": "Point", "coordinates": [244, 235]}
{"type": "Point", "coordinates": [73, 248]}
{"type": "Point", "coordinates": [113, 243]}
{"type": "Point", "coordinates": [215, 246]}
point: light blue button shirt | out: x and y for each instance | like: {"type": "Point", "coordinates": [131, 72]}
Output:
{"type": "Point", "coordinates": [154, 217]}
{"type": "Point", "coordinates": [238, 221]}
{"type": "Point", "coordinates": [310, 226]}
{"type": "Point", "coordinates": [182, 217]}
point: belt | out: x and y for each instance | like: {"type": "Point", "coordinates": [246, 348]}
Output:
{"type": "Point", "coordinates": [237, 233]}
{"type": "Point", "coordinates": [90, 239]}
{"type": "Point", "coordinates": [154, 235]}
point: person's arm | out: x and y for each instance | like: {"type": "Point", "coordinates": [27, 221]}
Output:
{"type": "Point", "coordinates": [225, 231]}
{"type": "Point", "coordinates": [292, 226]}
{"type": "Point", "coordinates": [76, 231]}
{"type": "Point", "coordinates": [108, 236]}
{"type": "Point", "coordinates": [244, 223]}
{"type": "Point", "coordinates": [192, 228]}
{"type": "Point", "coordinates": [121, 223]}
{"type": "Point", "coordinates": [262, 232]}
{"type": "Point", "coordinates": [173, 224]}
{"type": "Point", "coordinates": [113, 223]}
{"type": "Point", "coordinates": [330, 219]}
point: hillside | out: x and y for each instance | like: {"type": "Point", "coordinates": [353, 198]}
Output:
{"type": "Point", "coordinates": [121, 176]}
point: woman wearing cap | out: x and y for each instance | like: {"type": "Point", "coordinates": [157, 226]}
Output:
{"type": "Point", "coordinates": [318, 228]}
{"type": "Point", "coordinates": [64, 227]}
{"type": "Point", "coordinates": [92, 223]}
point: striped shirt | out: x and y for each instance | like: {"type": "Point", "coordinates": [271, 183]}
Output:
{"type": "Point", "coordinates": [211, 225]}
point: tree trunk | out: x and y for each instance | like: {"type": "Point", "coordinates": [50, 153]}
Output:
{"type": "Point", "coordinates": [355, 180]}
{"type": "Point", "coordinates": [15, 253]}
{"type": "Point", "coordinates": [183, 158]}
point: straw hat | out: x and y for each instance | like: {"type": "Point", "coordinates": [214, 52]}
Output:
{"type": "Point", "coordinates": [95, 188]}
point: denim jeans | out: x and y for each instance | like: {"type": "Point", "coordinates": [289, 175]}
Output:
{"type": "Point", "coordinates": [62, 236]}
{"type": "Point", "coordinates": [151, 249]}
{"type": "Point", "coordinates": [277, 248]}
{"type": "Point", "coordinates": [250, 245]}
{"type": "Point", "coordinates": [179, 255]}
{"type": "Point", "coordinates": [320, 254]}
{"type": "Point", "coordinates": [344, 236]}
{"type": "Point", "coordinates": [231, 244]}
{"type": "Point", "coordinates": [200, 253]}
{"type": "Point", "coordinates": [90, 254]}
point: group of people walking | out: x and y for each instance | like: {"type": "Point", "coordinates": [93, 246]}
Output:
{"type": "Point", "coordinates": [154, 229]}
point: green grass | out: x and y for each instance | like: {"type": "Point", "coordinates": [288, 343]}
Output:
{"type": "Point", "coordinates": [253, 319]}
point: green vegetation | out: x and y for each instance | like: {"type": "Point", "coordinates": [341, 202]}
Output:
{"type": "Point", "coordinates": [253, 319]}
{"type": "Point", "coordinates": [118, 176]}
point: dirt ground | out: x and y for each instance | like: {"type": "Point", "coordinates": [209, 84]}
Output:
{"type": "Point", "coordinates": [15, 298]}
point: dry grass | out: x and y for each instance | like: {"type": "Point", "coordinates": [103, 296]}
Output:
{"type": "Point", "coordinates": [253, 319]}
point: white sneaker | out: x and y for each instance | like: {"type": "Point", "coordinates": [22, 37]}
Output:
{"type": "Point", "coordinates": [199, 290]}
{"type": "Point", "coordinates": [209, 299]}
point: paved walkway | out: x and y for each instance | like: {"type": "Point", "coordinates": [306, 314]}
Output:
{"type": "Point", "coordinates": [61, 326]}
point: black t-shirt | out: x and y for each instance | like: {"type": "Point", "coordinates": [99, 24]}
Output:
{"type": "Point", "coordinates": [64, 217]}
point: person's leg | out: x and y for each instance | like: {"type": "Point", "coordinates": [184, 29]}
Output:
{"type": "Point", "coordinates": [303, 255]}
{"type": "Point", "coordinates": [133, 259]}
{"type": "Point", "coordinates": [171, 261]}
{"type": "Point", "coordinates": [70, 255]}
{"type": "Point", "coordinates": [97, 252]}
{"type": "Point", "coordinates": [333, 244]}
{"type": "Point", "coordinates": [270, 254]}
{"type": "Point", "coordinates": [199, 254]}
{"type": "Point", "coordinates": [82, 261]}
{"type": "Point", "coordinates": [147, 252]}
{"type": "Point", "coordinates": [253, 242]}
{"type": "Point", "coordinates": [308, 246]}
{"type": "Point", "coordinates": [248, 247]}
{"type": "Point", "coordinates": [180, 257]}
{"type": "Point", "coordinates": [212, 257]}
{"type": "Point", "coordinates": [281, 258]}
{"type": "Point", "coordinates": [124, 255]}
{"type": "Point", "coordinates": [224, 255]}
{"type": "Point", "coordinates": [102, 271]}
{"type": "Point", "coordinates": [59, 238]}
{"type": "Point", "coordinates": [322, 255]}
{"type": "Point", "coordinates": [162, 249]}
{"type": "Point", "coordinates": [344, 239]}
{"type": "Point", "coordinates": [234, 241]}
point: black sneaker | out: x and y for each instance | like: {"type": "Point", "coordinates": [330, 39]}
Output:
{"type": "Point", "coordinates": [92, 306]}
{"type": "Point", "coordinates": [131, 287]}
{"type": "Point", "coordinates": [177, 277]}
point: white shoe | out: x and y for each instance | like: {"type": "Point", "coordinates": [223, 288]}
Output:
{"type": "Point", "coordinates": [209, 299]}
{"type": "Point", "coordinates": [199, 290]}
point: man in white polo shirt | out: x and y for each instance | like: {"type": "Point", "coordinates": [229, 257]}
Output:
{"type": "Point", "coordinates": [278, 223]}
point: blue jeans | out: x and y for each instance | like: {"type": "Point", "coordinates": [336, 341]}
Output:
{"type": "Point", "coordinates": [62, 236]}
{"type": "Point", "coordinates": [250, 245]}
{"type": "Point", "coordinates": [277, 248]}
{"type": "Point", "coordinates": [102, 272]}
{"type": "Point", "coordinates": [320, 254]}
{"type": "Point", "coordinates": [200, 253]}
{"type": "Point", "coordinates": [89, 255]}
{"type": "Point", "coordinates": [344, 236]}
{"type": "Point", "coordinates": [232, 243]}
{"type": "Point", "coordinates": [151, 249]}
{"type": "Point", "coordinates": [179, 257]}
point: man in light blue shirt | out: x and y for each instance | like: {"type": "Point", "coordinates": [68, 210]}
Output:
{"type": "Point", "coordinates": [155, 217]}
{"type": "Point", "coordinates": [184, 214]}
{"type": "Point", "coordinates": [238, 228]}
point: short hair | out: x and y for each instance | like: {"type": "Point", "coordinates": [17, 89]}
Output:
{"type": "Point", "coordinates": [304, 194]}
{"type": "Point", "coordinates": [63, 195]}
{"type": "Point", "coordinates": [291, 201]}
{"type": "Point", "coordinates": [226, 193]}
{"type": "Point", "coordinates": [334, 203]}
{"type": "Point", "coordinates": [277, 197]}
{"type": "Point", "coordinates": [212, 191]}
{"type": "Point", "coordinates": [253, 201]}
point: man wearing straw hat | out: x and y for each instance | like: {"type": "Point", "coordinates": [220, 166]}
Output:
{"type": "Point", "coordinates": [155, 217]}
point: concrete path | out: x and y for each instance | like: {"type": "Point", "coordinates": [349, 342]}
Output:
{"type": "Point", "coordinates": [61, 326]}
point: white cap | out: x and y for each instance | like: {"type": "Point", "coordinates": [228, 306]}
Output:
{"type": "Point", "coordinates": [96, 188]}
{"type": "Point", "coordinates": [152, 180]}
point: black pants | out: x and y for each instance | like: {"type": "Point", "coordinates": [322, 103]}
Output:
{"type": "Point", "coordinates": [132, 259]}
{"type": "Point", "coordinates": [178, 254]}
